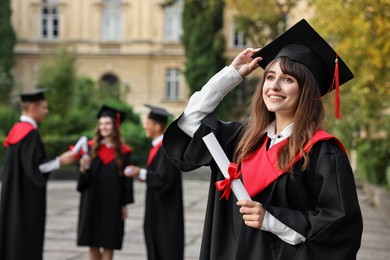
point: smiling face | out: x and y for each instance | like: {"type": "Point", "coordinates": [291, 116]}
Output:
{"type": "Point", "coordinates": [106, 126]}
{"type": "Point", "coordinates": [281, 93]}
{"type": "Point", "coordinates": [152, 128]}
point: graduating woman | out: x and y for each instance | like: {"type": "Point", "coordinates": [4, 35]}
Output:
{"type": "Point", "coordinates": [104, 189]}
{"type": "Point", "coordinates": [303, 196]}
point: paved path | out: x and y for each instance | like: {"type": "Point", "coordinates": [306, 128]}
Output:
{"type": "Point", "coordinates": [62, 213]}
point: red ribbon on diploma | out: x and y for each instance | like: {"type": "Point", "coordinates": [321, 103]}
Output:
{"type": "Point", "coordinates": [226, 183]}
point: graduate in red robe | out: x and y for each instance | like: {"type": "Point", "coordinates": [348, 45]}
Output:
{"type": "Point", "coordinates": [23, 189]}
{"type": "Point", "coordinates": [164, 216]}
{"type": "Point", "coordinates": [105, 191]}
{"type": "Point", "coordinates": [303, 195]}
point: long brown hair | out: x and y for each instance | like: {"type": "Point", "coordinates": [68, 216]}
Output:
{"type": "Point", "coordinates": [117, 144]}
{"type": "Point", "coordinates": [308, 117]}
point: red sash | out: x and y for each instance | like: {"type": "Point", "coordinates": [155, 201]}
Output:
{"type": "Point", "coordinates": [17, 133]}
{"type": "Point", "coordinates": [153, 152]}
{"type": "Point", "coordinates": [107, 154]}
{"type": "Point", "coordinates": [261, 169]}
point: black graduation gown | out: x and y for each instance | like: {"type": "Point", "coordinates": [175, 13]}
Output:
{"type": "Point", "coordinates": [320, 203]}
{"type": "Point", "coordinates": [103, 194]}
{"type": "Point", "coordinates": [23, 200]}
{"type": "Point", "coordinates": [164, 217]}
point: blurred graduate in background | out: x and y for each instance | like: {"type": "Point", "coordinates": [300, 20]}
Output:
{"type": "Point", "coordinates": [164, 217]}
{"type": "Point", "coordinates": [23, 191]}
{"type": "Point", "coordinates": [105, 191]}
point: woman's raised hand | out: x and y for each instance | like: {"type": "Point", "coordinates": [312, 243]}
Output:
{"type": "Point", "coordinates": [244, 63]}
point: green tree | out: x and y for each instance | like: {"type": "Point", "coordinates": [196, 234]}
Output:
{"type": "Point", "coordinates": [8, 40]}
{"type": "Point", "coordinates": [57, 75]}
{"type": "Point", "coordinates": [203, 41]}
{"type": "Point", "coordinates": [359, 31]}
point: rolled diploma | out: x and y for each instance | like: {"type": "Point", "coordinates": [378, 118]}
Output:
{"type": "Point", "coordinates": [83, 140]}
{"type": "Point", "coordinates": [84, 145]}
{"type": "Point", "coordinates": [223, 164]}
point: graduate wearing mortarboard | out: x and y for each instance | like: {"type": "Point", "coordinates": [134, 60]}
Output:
{"type": "Point", "coordinates": [105, 191]}
{"type": "Point", "coordinates": [23, 191]}
{"type": "Point", "coordinates": [164, 219]}
{"type": "Point", "coordinates": [304, 203]}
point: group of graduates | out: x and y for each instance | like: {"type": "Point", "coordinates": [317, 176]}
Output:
{"type": "Point", "coordinates": [105, 182]}
{"type": "Point", "coordinates": [301, 200]}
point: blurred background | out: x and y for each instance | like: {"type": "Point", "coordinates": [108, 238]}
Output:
{"type": "Point", "coordinates": [126, 53]}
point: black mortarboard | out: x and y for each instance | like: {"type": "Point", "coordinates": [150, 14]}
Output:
{"type": "Point", "coordinates": [116, 114]}
{"type": "Point", "coordinates": [33, 95]}
{"type": "Point", "coordinates": [159, 114]}
{"type": "Point", "coordinates": [303, 44]}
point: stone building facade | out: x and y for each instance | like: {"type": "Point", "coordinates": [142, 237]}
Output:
{"type": "Point", "coordinates": [132, 42]}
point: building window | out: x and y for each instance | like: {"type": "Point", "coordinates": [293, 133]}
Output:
{"type": "Point", "coordinates": [239, 39]}
{"type": "Point", "coordinates": [172, 84]}
{"type": "Point", "coordinates": [172, 22]}
{"type": "Point", "coordinates": [49, 19]}
{"type": "Point", "coordinates": [111, 20]}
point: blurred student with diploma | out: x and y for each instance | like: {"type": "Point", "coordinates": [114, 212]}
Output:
{"type": "Point", "coordinates": [105, 191]}
{"type": "Point", "coordinates": [23, 191]}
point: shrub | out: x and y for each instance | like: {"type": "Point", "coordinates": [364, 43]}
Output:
{"type": "Point", "coordinates": [372, 161]}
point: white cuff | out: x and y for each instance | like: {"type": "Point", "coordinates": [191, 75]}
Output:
{"type": "Point", "coordinates": [205, 101]}
{"type": "Point", "coordinates": [50, 165]}
{"type": "Point", "coordinates": [142, 174]}
{"type": "Point", "coordinates": [288, 235]}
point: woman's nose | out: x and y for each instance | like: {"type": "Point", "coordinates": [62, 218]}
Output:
{"type": "Point", "coordinates": [275, 85]}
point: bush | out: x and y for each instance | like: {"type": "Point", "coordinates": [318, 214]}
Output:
{"type": "Point", "coordinates": [372, 161]}
{"type": "Point", "coordinates": [134, 136]}
{"type": "Point", "coordinates": [8, 117]}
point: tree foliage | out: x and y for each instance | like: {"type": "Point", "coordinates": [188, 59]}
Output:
{"type": "Point", "coordinates": [204, 44]}
{"type": "Point", "coordinates": [362, 41]}
{"type": "Point", "coordinates": [203, 40]}
{"type": "Point", "coordinates": [57, 75]}
{"type": "Point", "coordinates": [8, 40]}
{"type": "Point", "coordinates": [74, 102]}
{"type": "Point", "coordinates": [359, 31]}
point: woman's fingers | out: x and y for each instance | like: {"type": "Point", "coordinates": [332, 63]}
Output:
{"type": "Point", "coordinates": [252, 211]}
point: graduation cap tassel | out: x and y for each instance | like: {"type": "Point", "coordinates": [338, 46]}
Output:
{"type": "Point", "coordinates": [118, 119]}
{"type": "Point", "coordinates": [336, 85]}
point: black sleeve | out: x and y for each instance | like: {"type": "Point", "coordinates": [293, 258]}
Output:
{"type": "Point", "coordinates": [33, 154]}
{"type": "Point", "coordinates": [335, 224]}
{"type": "Point", "coordinates": [83, 180]}
{"type": "Point", "coordinates": [190, 153]}
{"type": "Point", "coordinates": [163, 174]}
{"type": "Point", "coordinates": [127, 182]}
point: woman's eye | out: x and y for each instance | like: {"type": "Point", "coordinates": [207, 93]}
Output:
{"type": "Point", "coordinates": [288, 80]}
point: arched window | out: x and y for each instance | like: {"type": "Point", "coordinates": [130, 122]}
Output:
{"type": "Point", "coordinates": [109, 86]}
{"type": "Point", "coordinates": [110, 79]}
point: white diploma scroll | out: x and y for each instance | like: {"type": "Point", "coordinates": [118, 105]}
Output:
{"type": "Point", "coordinates": [223, 164]}
{"type": "Point", "coordinates": [84, 146]}
{"type": "Point", "coordinates": [81, 143]}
